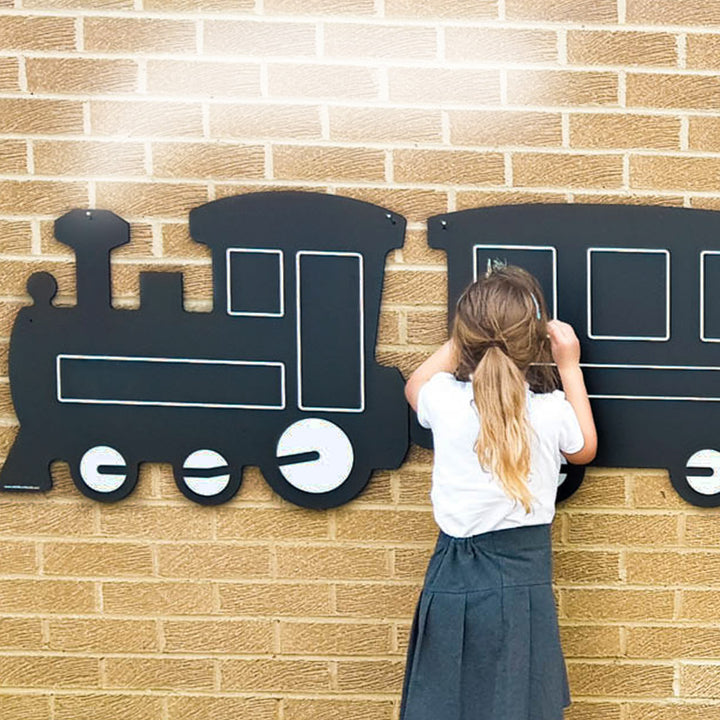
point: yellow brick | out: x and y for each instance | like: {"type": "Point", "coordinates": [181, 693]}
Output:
{"type": "Point", "coordinates": [407, 42]}
{"type": "Point", "coordinates": [96, 635]}
{"type": "Point", "coordinates": [151, 198]}
{"type": "Point", "coordinates": [378, 491]}
{"type": "Point", "coordinates": [438, 85]}
{"type": "Point", "coordinates": [204, 160]}
{"type": "Point", "coordinates": [333, 709]}
{"type": "Point", "coordinates": [591, 47]}
{"type": "Point", "coordinates": [26, 707]}
{"type": "Point", "coordinates": [222, 708]}
{"type": "Point", "coordinates": [92, 707]}
{"type": "Point", "coordinates": [13, 159]}
{"type": "Point", "coordinates": [88, 158]}
{"type": "Point", "coordinates": [621, 679]}
{"type": "Point", "coordinates": [700, 605]}
{"type": "Point", "coordinates": [699, 680]}
{"type": "Point", "coordinates": [274, 675]}
{"type": "Point", "coordinates": [702, 530]}
{"type": "Point", "coordinates": [157, 598]}
{"type": "Point", "coordinates": [641, 605]}
{"type": "Point", "coordinates": [453, 167]}
{"type": "Point", "coordinates": [674, 173]}
{"type": "Point", "coordinates": [357, 124]}
{"type": "Point", "coordinates": [314, 7]}
{"type": "Point", "coordinates": [28, 116]}
{"type": "Point", "coordinates": [465, 44]}
{"type": "Point", "coordinates": [562, 87]}
{"type": "Point", "coordinates": [411, 564]}
{"type": "Point", "coordinates": [80, 75]}
{"type": "Point", "coordinates": [704, 133]}
{"type": "Point", "coordinates": [268, 524]}
{"type": "Point", "coordinates": [187, 78]}
{"type": "Point", "coordinates": [678, 710]}
{"type": "Point", "coordinates": [257, 38]}
{"type": "Point", "coordinates": [17, 558]}
{"type": "Point", "coordinates": [388, 334]}
{"type": "Point", "coordinates": [31, 197]}
{"type": "Point", "coordinates": [106, 559]}
{"type": "Point", "coordinates": [178, 243]}
{"type": "Point", "coordinates": [467, 199]}
{"type": "Point", "coordinates": [52, 672]}
{"type": "Point", "coordinates": [145, 118]}
{"type": "Point", "coordinates": [304, 638]}
{"type": "Point", "coordinates": [9, 74]}
{"type": "Point", "coordinates": [385, 526]}
{"type": "Point", "coordinates": [673, 568]}
{"type": "Point", "coordinates": [621, 529]}
{"type": "Point", "coordinates": [157, 522]}
{"type": "Point", "coordinates": [633, 199]}
{"type": "Point", "coordinates": [334, 562]}
{"type": "Point", "coordinates": [582, 710]}
{"type": "Point", "coordinates": [624, 131]}
{"type": "Point", "coordinates": [209, 560]}
{"type": "Point", "coordinates": [591, 11]}
{"type": "Point", "coordinates": [226, 636]}
{"type": "Point", "coordinates": [705, 203]}
{"type": "Point", "coordinates": [380, 676]}
{"type": "Point", "coordinates": [210, 5]}
{"type": "Point", "coordinates": [699, 92]}
{"type": "Point", "coordinates": [417, 251]}
{"type": "Point", "coordinates": [474, 127]}
{"type": "Point", "coordinates": [328, 163]}
{"type": "Point", "coordinates": [579, 566]}
{"type": "Point", "coordinates": [274, 599]}
{"type": "Point", "coordinates": [703, 52]}
{"type": "Point", "coordinates": [668, 12]}
{"type": "Point", "coordinates": [590, 641]}
{"type": "Point", "coordinates": [21, 634]}
{"type": "Point", "coordinates": [138, 35]}
{"type": "Point", "coordinates": [653, 490]}
{"type": "Point", "coordinates": [44, 518]}
{"type": "Point", "coordinates": [415, 287]}
{"type": "Point", "coordinates": [598, 490]}
{"type": "Point", "coordinates": [150, 673]}
{"type": "Point", "coordinates": [80, 4]}
{"type": "Point", "coordinates": [426, 328]}
{"type": "Point", "coordinates": [414, 485]}
{"type": "Point", "coordinates": [296, 122]}
{"type": "Point", "coordinates": [672, 642]}
{"type": "Point", "coordinates": [377, 600]}
{"type": "Point", "coordinates": [415, 205]}
{"type": "Point", "coordinates": [323, 81]}
{"type": "Point", "coordinates": [566, 170]}
{"type": "Point", "coordinates": [19, 32]}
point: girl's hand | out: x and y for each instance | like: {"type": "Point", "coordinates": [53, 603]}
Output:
{"type": "Point", "coordinates": [564, 344]}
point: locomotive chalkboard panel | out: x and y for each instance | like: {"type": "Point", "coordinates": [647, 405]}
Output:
{"type": "Point", "coordinates": [281, 374]}
{"type": "Point", "coordinates": [640, 287]}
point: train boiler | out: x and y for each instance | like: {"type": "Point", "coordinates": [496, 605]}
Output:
{"type": "Point", "coordinates": [280, 374]}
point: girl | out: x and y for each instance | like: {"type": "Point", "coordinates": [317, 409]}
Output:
{"type": "Point", "coordinates": [484, 643]}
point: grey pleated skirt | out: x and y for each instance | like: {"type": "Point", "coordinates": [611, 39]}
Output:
{"type": "Point", "coordinates": [484, 643]}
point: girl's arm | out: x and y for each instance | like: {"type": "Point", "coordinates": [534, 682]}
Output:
{"type": "Point", "coordinates": [442, 360]}
{"type": "Point", "coordinates": [566, 353]}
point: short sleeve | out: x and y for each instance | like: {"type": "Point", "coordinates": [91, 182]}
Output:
{"type": "Point", "coordinates": [428, 396]}
{"type": "Point", "coordinates": [571, 438]}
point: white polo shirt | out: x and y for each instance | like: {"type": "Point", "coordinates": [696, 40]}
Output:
{"type": "Point", "coordinates": [466, 499]}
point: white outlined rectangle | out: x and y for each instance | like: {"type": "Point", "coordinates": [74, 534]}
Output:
{"type": "Point", "coordinates": [162, 403]}
{"type": "Point", "coordinates": [361, 323]}
{"type": "Point", "coordinates": [542, 248]}
{"type": "Point", "coordinates": [704, 337]}
{"type": "Point", "coordinates": [643, 251]}
{"type": "Point", "coordinates": [281, 282]}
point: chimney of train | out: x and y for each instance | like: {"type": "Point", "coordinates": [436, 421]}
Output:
{"type": "Point", "coordinates": [92, 234]}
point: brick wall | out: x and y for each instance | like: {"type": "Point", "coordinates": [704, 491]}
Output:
{"type": "Point", "coordinates": [157, 609]}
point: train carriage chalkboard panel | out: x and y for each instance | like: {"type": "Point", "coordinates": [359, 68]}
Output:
{"type": "Point", "coordinates": [641, 287]}
{"type": "Point", "coordinates": [280, 374]}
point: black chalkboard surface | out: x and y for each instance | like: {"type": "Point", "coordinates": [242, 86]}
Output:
{"type": "Point", "coordinates": [641, 287]}
{"type": "Point", "coordinates": [281, 374]}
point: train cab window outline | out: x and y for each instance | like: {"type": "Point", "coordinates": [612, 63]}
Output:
{"type": "Point", "coordinates": [627, 251]}
{"type": "Point", "coordinates": [194, 363]}
{"type": "Point", "coordinates": [361, 323]}
{"type": "Point", "coordinates": [703, 255]}
{"type": "Point", "coordinates": [530, 248]}
{"type": "Point", "coordinates": [64, 360]}
{"type": "Point", "coordinates": [245, 252]}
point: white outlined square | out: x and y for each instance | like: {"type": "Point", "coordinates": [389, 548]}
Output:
{"type": "Point", "coordinates": [703, 337]}
{"type": "Point", "coordinates": [281, 282]}
{"type": "Point", "coordinates": [642, 251]}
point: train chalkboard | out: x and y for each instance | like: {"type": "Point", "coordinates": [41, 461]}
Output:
{"type": "Point", "coordinates": [280, 374]}
{"type": "Point", "coordinates": [641, 287]}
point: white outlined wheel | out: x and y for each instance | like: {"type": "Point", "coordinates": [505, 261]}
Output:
{"type": "Point", "coordinates": [103, 473]}
{"type": "Point", "coordinates": [315, 455]}
{"type": "Point", "coordinates": [205, 477]}
{"type": "Point", "coordinates": [697, 479]}
{"type": "Point", "coordinates": [569, 480]}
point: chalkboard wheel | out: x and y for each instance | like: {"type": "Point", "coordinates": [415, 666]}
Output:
{"type": "Point", "coordinates": [103, 473]}
{"type": "Point", "coordinates": [697, 478]}
{"type": "Point", "coordinates": [570, 479]}
{"type": "Point", "coordinates": [206, 477]}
